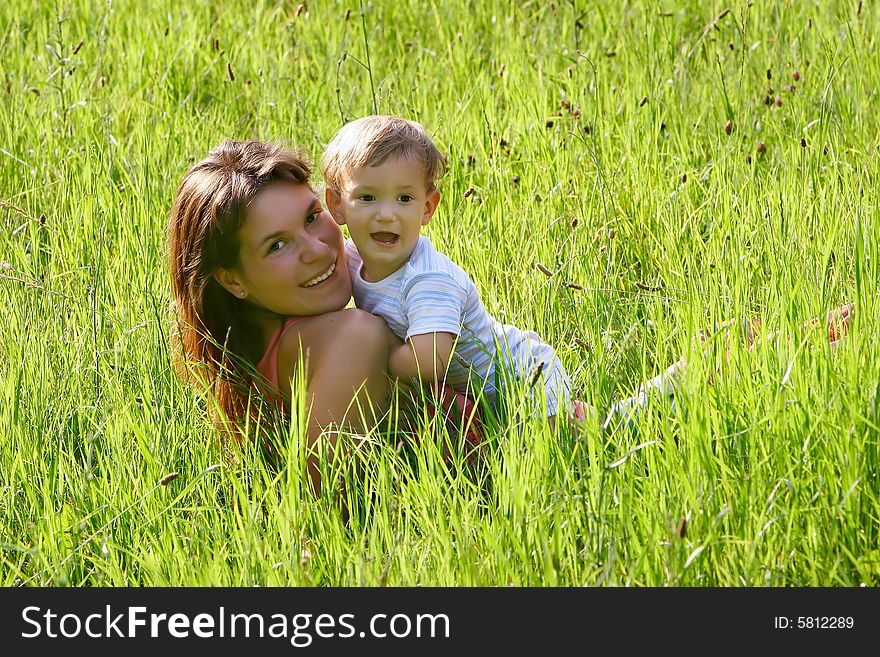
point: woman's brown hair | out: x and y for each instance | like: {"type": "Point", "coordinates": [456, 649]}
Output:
{"type": "Point", "coordinates": [217, 345]}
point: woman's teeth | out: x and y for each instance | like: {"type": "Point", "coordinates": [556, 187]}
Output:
{"type": "Point", "coordinates": [318, 279]}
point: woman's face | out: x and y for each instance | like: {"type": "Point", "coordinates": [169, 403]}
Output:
{"type": "Point", "coordinates": [292, 256]}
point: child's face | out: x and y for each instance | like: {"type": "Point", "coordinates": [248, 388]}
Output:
{"type": "Point", "coordinates": [385, 207]}
{"type": "Point", "coordinates": [292, 258]}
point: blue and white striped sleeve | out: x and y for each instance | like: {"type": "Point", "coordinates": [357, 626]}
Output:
{"type": "Point", "coordinates": [433, 303]}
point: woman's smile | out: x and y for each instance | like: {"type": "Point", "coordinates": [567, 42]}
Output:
{"type": "Point", "coordinates": [321, 277]}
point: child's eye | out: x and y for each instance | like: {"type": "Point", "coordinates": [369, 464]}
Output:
{"type": "Point", "coordinates": [366, 197]}
{"type": "Point", "coordinates": [405, 198]}
{"type": "Point", "coordinates": [313, 217]}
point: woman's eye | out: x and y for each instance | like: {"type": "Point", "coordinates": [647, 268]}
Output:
{"type": "Point", "coordinates": [276, 245]}
{"type": "Point", "coordinates": [312, 218]}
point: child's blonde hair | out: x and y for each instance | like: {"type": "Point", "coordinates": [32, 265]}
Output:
{"type": "Point", "coordinates": [371, 140]}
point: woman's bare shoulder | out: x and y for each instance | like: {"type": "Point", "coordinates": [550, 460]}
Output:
{"type": "Point", "coordinates": [310, 337]}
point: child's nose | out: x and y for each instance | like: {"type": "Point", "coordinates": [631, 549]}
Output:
{"type": "Point", "coordinates": [386, 212]}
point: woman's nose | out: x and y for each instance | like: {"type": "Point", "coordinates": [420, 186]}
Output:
{"type": "Point", "coordinates": [313, 248]}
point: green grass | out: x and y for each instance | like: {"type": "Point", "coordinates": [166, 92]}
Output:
{"type": "Point", "coordinates": [539, 106]}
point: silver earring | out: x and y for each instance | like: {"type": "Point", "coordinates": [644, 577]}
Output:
{"type": "Point", "coordinates": [242, 293]}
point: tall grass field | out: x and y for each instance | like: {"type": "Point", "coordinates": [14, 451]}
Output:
{"type": "Point", "coordinates": [621, 176]}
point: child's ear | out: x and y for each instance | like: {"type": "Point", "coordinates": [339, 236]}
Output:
{"type": "Point", "coordinates": [228, 278]}
{"type": "Point", "coordinates": [333, 201]}
{"type": "Point", "coordinates": [431, 204]}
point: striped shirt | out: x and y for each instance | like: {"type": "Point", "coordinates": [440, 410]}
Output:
{"type": "Point", "coordinates": [431, 294]}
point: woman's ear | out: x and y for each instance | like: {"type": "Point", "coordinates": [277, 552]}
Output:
{"type": "Point", "coordinates": [431, 203]}
{"type": "Point", "coordinates": [228, 278]}
{"type": "Point", "coordinates": [333, 201]}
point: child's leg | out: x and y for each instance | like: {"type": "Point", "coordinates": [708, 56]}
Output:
{"type": "Point", "coordinates": [549, 386]}
{"type": "Point", "coordinates": [837, 323]}
{"type": "Point", "coordinates": [664, 384]}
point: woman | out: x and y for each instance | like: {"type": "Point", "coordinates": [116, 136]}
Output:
{"type": "Point", "coordinates": [260, 283]}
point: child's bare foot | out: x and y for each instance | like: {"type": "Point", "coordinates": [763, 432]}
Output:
{"type": "Point", "coordinates": [837, 323]}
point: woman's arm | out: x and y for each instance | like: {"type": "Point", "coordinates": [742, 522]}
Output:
{"type": "Point", "coordinates": [346, 358]}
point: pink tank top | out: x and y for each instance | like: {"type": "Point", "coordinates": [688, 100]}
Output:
{"type": "Point", "coordinates": [268, 365]}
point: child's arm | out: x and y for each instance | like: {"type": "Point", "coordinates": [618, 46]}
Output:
{"type": "Point", "coordinates": [423, 357]}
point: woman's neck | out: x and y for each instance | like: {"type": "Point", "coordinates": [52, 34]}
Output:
{"type": "Point", "coordinates": [267, 322]}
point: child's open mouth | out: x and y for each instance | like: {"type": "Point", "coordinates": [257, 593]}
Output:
{"type": "Point", "coordinates": [385, 239]}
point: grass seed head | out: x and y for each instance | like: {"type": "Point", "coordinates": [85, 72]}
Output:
{"type": "Point", "coordinates": [583, 345]}
{"type": "Point", "coordinates": [537, 374]}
